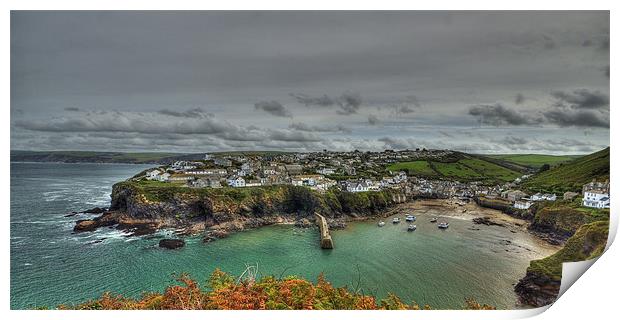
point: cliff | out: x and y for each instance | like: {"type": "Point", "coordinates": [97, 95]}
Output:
{"type": "Point", "coordinates": [223, 210]}
{"type": "Point", "coordinates": [541, 284]}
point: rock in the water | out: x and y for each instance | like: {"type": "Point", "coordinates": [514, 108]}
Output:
{"type": "Point", "coordinates": [85, 225]}
{"type": "Point", "coordinates": [487, 221]}
{"type": "Point", "coordinates": [303, 223]}
{"type": "Point", "coordinates": [95, 210]}
{"type": "Point", "coordinates": [171, 243]}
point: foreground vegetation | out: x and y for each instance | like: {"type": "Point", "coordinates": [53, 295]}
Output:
{"type": "Point", "coordinates": [223, 292]}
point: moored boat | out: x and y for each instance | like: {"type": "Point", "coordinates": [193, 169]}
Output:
{"type": "Point", "coordinates": [396, 220]}
{"type": "Point", "coordinates": [410, 217]}
{"type": "Point", "coordinates": [412, 227]}
{"type": "Point", "coordinates": [443, 225]}
{"type": "Point", "coordinates": [381, 223]}
{"type": "Point", "coordinates": [433, 220]}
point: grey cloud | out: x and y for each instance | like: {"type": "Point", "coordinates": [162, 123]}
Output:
{"type": "Point", "coordinates": [497, 115]}
{"type": "Point", "coordinates": [74, 109]}
{"type": "Point", "coordinates": [274, 108]}
{"type": "Point", "coordinates": [349, 103]}
{"type": "Point", "coordinates": [311, 128]}
{"type": "Point", "coordinates": [519, 98]}
{"type": "Point", "coordinates": [606, 70]}
{"type": "Point", "coordinates": [512, 141]}
{"type": "Point", "coordinates": [192, 113]}
{"type": "Point", "coordinates": [322, 101]}
{"type": "Point", "coordinates": [579, 118]}
{"type": "Point", "coordinates": [373, 120]}
{"type": "Point", "coordinates": [587, 43]}
{"type": "Point", "coordinates": [581, 99]}
{"type": "Point", "coordinates": [549, 43]}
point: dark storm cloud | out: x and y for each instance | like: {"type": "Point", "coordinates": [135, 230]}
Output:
{"type": "Point", "coordinates": [581, 118]}
{"type": "Point", "coordinates": [581, 99]}
{"type": "Point", "coordinates": [322, 101]}
{"type": "Point", "coordinates": [273, 107]}
{"type": "Point", "coordinates": [497, 115]}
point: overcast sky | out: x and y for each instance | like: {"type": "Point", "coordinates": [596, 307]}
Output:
{"type": "Point", "coordinates": [485, 82]}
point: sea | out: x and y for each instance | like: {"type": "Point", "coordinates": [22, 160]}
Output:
{"type": "Point", "coordinates": [50, 265]}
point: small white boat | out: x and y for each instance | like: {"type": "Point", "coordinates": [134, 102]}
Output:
{"type": "Point", "coordinates": [381, 224]}
{"type": "Point", "coordinates": [433, 220]}
{"type": "Point", "coordinates": [412, 227]}
{"type": "Point", "coordinates": [410, 218]}
{"type": "Point", "coordinates": [443, 225]}
{"type": "Point", "coordinates": [396, 220]}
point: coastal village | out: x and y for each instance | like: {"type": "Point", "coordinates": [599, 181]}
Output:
{"type": "Point", "coordinates": [355, 172]}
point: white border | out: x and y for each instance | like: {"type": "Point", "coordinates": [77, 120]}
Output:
{"type": "Point", "coordinates": [593, 297]}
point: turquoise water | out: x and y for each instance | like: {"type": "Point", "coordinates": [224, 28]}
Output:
{"type": "Point", "coordinates": [50, 265]}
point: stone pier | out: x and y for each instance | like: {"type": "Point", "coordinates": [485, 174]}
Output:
{"type": "Point", "coordinates": [326, 238]}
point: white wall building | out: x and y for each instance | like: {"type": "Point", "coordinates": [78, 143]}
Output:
{"type": "Point", "coordinates": [523, 204]}
{"type": "Point", "coordinates": [236, 182]}
{"type": "Point", "coordinates": [595, 199]}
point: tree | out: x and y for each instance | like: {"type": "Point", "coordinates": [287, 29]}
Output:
{"type": "Point", "coordinates": [544, 167]}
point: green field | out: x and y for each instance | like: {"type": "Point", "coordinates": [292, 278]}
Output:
{"type": "Point", "coordinates": [491, 169]}
{"type": "Point", "coordinates": [467, 168]}
{"type": "Point", "coordinates": [571, 176]}
{"type": "Point", "coordinates": [417, 168]}
{"type": "Point", "coordinates": [457, 170]}
{"type": "Point", "coordinates": [534, 160]}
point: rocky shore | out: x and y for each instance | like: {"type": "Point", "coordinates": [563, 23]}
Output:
{"type": "Point", "coordinates": [217, 213]}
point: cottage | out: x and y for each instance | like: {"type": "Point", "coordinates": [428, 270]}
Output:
{"type": "Point", "coordinates": [204, 183]}
{"type": "Point", "coordinates": [222, 162]}
{"type": "Point", "coordinates": [326, 171]}
{"type": "Point", "coordinates": [513, 195]}
{"type": "Point", "coordinates": [253, 183]}
{"type": "Point", "coordinates": [293, 169]}
{"type": "Point", "coordinates": [235, 182]}
{"type": "Point", "coordinates": [163, 177]}
{"type": "Point", "coordinates": [153, 174]}
{"type": "Point", "coordinates": [524, 205]}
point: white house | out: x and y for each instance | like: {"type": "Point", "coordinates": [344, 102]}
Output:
{"type": "Point", "coordinates": [596, 194]}
{"type": "Point", "coordinates": [253, 183]}
{"type": "Point", "coordinates": [236, 182]}
{"type": "Point", "coordinates": [326, 171]}
{"type": "Point", "coordinates": [163, 177]}
{"type": "Point", "coordinates": [153, 174]}
{"type": "Point", "coordinates": [523, 204]}
{"type": "Point", "coordinates": [358, 186]}
{"type": "Point", "coordinates": [596, 199]}
{"type": "Point", "coordinates": [547, 196]}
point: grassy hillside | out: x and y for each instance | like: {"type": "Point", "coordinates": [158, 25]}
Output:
{"type": "Point", "coordinates": [466, 168]}
{"type": "Point", "coordinates": [571, 176]}
{"type": "Point", "coordinates": [588, 243]}
{"type": "Point", "coordinates": [534, 160]}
